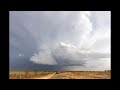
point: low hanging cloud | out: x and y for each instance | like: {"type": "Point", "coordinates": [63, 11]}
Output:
{"type": "Point", "coordinates": [67, 55]}
{"type": "Point", "coordinates": [44, 57]}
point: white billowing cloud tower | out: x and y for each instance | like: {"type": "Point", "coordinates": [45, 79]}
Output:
{"type": "Point", "coordinates": [82, 44]}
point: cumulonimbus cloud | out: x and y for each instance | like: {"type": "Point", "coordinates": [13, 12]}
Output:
{"type": "Point", "coordinates": [67, 54]}
{"type": "Point", "coordinates": [62, 37]}
{"type": "Point", "coordinates": [83, 44]}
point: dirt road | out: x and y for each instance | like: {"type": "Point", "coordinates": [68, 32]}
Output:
{"type": "Point", "coordinates": [46, 77]}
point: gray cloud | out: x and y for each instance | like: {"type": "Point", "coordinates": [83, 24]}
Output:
{"type": "Point", "coordinates": [61, 37]}
{"type": "Point", "coordinates": [67, 54]}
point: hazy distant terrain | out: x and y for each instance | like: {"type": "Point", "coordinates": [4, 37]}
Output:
{"type": "Point", "coordinates": [61, 75]}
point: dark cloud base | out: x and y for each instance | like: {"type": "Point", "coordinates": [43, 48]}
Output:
{"type": "Point", "coordinates": [24, 64]}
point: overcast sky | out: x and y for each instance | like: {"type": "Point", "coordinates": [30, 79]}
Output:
{"type": "Point", "coordinates": [74, 39]}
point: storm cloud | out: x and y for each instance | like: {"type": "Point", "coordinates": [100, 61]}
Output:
{"type": "Point", "coordinates": [62, 38]}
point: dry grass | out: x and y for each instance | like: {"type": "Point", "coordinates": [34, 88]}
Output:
{"type": "Point", "coordinates": [83, 75]}
{"type": "Point", "coordinates": [62, 75]}
{"type": "Point", "coordinates": [27, 75]}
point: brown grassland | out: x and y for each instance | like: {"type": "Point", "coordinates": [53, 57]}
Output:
{"type": "Point", "coordinates": [27, 74]}
{"type": "Point", "coordinates": [60, 75]}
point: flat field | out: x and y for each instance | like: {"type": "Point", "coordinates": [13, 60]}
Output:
{"type": "Point", "coordinates": [60, 75]}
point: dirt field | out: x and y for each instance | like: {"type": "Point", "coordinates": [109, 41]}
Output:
{"type": "Point", "coordinates": [61, 75]}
